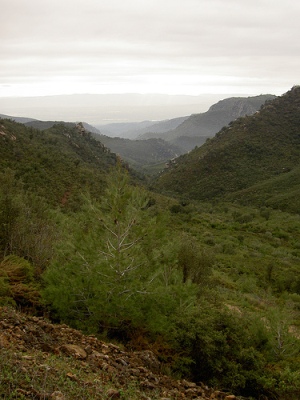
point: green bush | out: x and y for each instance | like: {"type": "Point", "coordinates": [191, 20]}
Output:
{"type": "Point", "coordinates": [223, 349]}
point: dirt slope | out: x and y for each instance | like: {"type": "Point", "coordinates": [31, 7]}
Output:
{"type": "Point", "coordinates": [41, 360]}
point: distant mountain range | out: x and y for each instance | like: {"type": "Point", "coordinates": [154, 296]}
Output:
{"type": "Point", "coordinates": [188, 131]}
{"type": "Point", "coordinates": [165, 140]}
{"type": "Point", "coordinates": [133, 130]}
{"type": "Point", "coordinates": [254, 160]}
{"type": "Point", "coordinates": [147, 144]}
{"type": "Point", "coordinates": [194, 130]}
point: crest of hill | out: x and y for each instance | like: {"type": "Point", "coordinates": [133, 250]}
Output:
{"type": "Point", "coordinates": [42, 125]}
{"type": "Point", "coordinates": [255, 152]}
{"type": "Point", "coordinates": [22, 120]}
{"type": "Point", "coordinates": [194, 130]}
{"type": "Point", "coordinates": [56, 163]}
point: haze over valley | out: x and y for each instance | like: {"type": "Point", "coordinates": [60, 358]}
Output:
{"type": "Point", "coordinates": [104, 109]}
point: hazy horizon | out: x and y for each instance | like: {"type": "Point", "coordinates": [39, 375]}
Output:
{"type": "Point", "coordinates": [101, 109]}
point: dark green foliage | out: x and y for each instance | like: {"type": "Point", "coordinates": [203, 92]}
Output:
{"type": "Point", "coordinates": [57, 163]}
{"type": "Point", "coordinates": [110, 265]}
{"type": "Point", "coordinates": [236, 353]}
{"type": "Point", "coordinates": [255, 159]}
{"type": "Point", "coordinates": [176, 208]}
{"type": "Point", "coordinates": [265, 212]}
{"type": "Point", "coordinates": [10, 190]}
{"type": "Point", "coordinates": [224, 350]}
{"type": "Point", "coordinates": [27, 228]}
{"type": "Point", "coordinates": [212, 314]}
{"type": "Point", "coordinates": [195, 263]}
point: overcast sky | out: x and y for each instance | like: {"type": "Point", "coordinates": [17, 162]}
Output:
{"type": "Point", "coordinates": [149, 46]}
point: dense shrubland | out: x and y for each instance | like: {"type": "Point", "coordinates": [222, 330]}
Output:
{"type": "Point", "coordinates": [212, 289]}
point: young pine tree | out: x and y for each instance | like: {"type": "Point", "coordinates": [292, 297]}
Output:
{"type": "Point", "coordinates": [105, 271]}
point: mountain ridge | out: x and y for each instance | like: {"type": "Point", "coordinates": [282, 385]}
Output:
{"type": "Point", "coordinates": [198, 127]}
{"type": "Point", "coordinates": [248, 151]}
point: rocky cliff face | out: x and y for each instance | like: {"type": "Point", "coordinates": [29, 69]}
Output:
{"type": "Point", "coordinates": [40, 360]}
{"type": "Point", "coordinates": [236, 107]}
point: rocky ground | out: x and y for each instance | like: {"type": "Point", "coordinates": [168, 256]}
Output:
{"type": "Point", "coordinates": [41, 360]}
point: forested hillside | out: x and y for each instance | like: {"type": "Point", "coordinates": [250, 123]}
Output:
{"type": "Point", "coordinates": [56, 163]}
{"type": "Point", "coordinates": [255, 160]}
{"type": "Point", "coordinates": [142, 155]}
{"type": "Point", "coordinates": [210, 286]}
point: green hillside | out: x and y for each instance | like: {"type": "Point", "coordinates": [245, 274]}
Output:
{"type": "Point", "coordinates": [142, 155]}
{"type": "Point", "coordinates": [56, 163]}
{"type": "Point", "coordinates": [253, 149]}
{"type": "Point", "coordinates": [281, 191]}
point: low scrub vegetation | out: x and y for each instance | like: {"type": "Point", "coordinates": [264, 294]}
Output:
{"type": "Point", "coordinates": [212, 289]}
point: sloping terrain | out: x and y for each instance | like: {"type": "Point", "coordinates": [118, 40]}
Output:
{"type": "Point", "coordinates": [57, 163]}
{"type": "Point", "coordinates": [138, 153]}
{"type": "Point", "coordinates": [164, 126]}
{"type": "Point", "coordinates": [128, 130]}
{"type": "Point", "coordinates": [141, 153]}
{"type": "Point", "coordinates": [198, 127]}
{"type": "Point", "coordinates": [252, 150]}
{"type": "Point", "coordinates": [41, 360]}
{"type": "Point", "coordinates": [281, 191]}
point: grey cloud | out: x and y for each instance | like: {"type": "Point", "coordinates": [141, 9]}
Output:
{"type": "Point", "coordinates": [108, 40]}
